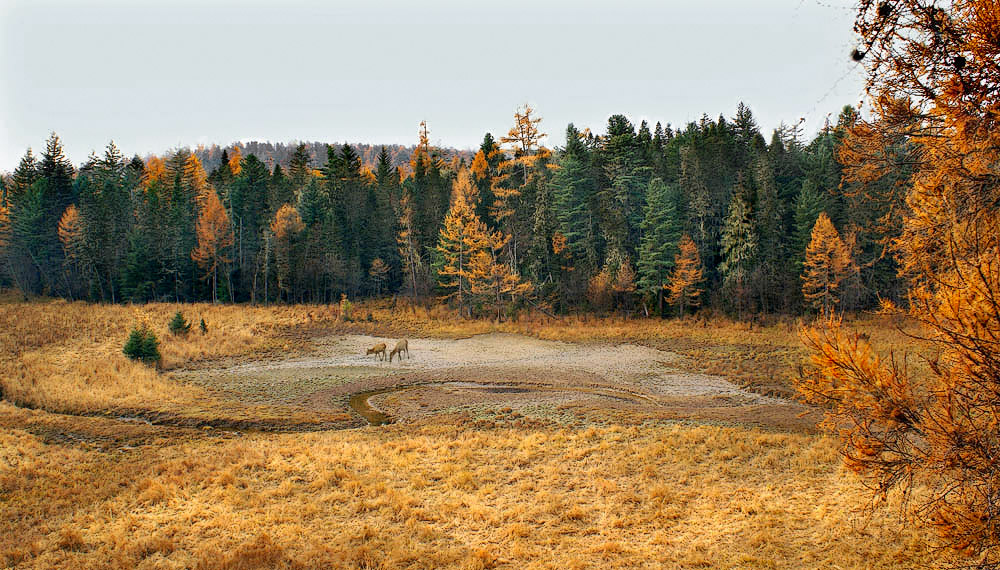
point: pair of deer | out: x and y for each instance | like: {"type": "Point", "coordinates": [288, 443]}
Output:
{"type": "Point", "coordinates": [379, 350]}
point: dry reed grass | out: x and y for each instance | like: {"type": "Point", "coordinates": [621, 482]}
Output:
{"type": "Point", "coordinates": [67, 357]}
{"type": "Point", "coordinates": [444, 495]}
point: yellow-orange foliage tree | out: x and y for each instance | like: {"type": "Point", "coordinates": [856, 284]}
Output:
{"type": "Point", "coordinates": [515, 173]}
{"type": "Point", "coordinates": [933, 76]}
{"type": "Point", "coordinates": [461, 237]}
{"type": "Point", "coordinates": [4, 225]}
{"type": "Point", "coordinates": [287, 224]}
{"type": "Point", "coordinates": [155, 171]}
{"type": "Point", "coordinates": [215, 237]}
{"type": "Point", "coordinates": [492, 280]}
{"type": "Point", "coordinates": [827, 264]}
{"type": "Point", "coordinates": [234, 160]}
{"type": "Point", "coordinates": [684, 284]}
{"type": "Point", "coordinates": [70, 231]}
{"type": "Point", "coordinates": [409, 248]}
{"type": "Point", "coordinates": [74, 242]}
{"type": "Point", "coordinates": [195, 176]}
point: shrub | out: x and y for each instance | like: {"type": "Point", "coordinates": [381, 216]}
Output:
{"type": "Point", "coordinates": [345, 308]}
{"type": "Point", "coordinates": [203, 327]}
{"type": "Point", "coordinates": [178, 326]}
{"type": "Point", "coordinates": [142, 345]}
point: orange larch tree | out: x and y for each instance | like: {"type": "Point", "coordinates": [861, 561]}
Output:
{"type": "Point", "coordinates": [196, 179]}
{"type": "Point", "coordinates": [827, 264]}
{"type": "Point", "coordinates": [462, 235]}
{"type": "Point", "coordinates": [409, 248]}
{"type": "Point", "coordinates": [287, 224]}
{"type": "Point", "coordinates": [514, 174]}
{"type": "Point", "coordinates": [70, 231]}
{"type": "Point", "coordinates": [215, 237]}
{"type": "Point", "coordinates": [156, 170]}
{"type": "Point", "coordinates": [929, 432]}
{"type": "Point", "coordinates": [684, 284]}
{"type": "Point", "coordinates": [235, 159]}
{"type": "Point", "coordinates": [492, 280]}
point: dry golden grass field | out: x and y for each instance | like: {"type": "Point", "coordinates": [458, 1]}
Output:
{"type": "Point", "coordinates": [106, 463]}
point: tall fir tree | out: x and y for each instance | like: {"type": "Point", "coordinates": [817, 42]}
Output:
{"type": "Point", "coordinates": [739, 243]}
{"type": "Point", "coordinates": [575, 197]}
{"type": "Point", "coordinates": [809, 204]}
{"type": "Point", "coordinates": [661, 232]}
{"type": "Point", "coordinates": [770, 273]}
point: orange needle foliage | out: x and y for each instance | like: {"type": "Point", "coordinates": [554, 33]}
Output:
{"type": "Point", "coordinates": [826, 265]}
{"type": "Point", "coordinates": [462, 235]}
{"type": "Point", "coordinates": [70, 232]}
{"type": "Point", "coordinates": [194, 172]}
{"type": "Point", "coordinates": [155, 171]}
{"type": "Point", "coordinates": [234, 160]}
{"type": "Point", "coordinates": [683, 284]}
{"type": "Point", "coordinates": [287, 223]}
{"type": "Point", "coordinates": [490, 278]}
{"type": "Point", "coordinates": [4, 225]}
{"type": "Point", "coordinates": [525, 138]}
{"type": "Point", "coordinates": [934, 74]}
{"type": "Point", "coordinates": [215, 236]}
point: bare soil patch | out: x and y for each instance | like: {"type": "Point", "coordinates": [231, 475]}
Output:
{"type": "Point", "coordinates": [499, 375]}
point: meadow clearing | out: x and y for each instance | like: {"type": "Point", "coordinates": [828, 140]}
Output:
{"type": "Point", "coordinates": [540, 443]}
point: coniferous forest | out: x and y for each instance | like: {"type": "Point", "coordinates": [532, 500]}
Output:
{"type": "Point", "coordinates": [639, 219]}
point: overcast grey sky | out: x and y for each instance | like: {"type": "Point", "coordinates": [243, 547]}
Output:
{"type": "Point", "coordinates": [157, 75]}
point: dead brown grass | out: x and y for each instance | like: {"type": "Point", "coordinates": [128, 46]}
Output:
{"type": "Point", "coordinates": [93, 492]}
{"type": "Point", "coordinates": [444, 495]}
{"type": "Point", "coordinates": [67, 357]}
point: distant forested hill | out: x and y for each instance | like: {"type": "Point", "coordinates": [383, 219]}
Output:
{"type": "Point", "coordinates": [281, 153]}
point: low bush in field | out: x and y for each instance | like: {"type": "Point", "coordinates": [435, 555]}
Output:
{"type": "Point", "coordinates": [178, 326]}
{"type": "Point", "coordinates": [142, 345]}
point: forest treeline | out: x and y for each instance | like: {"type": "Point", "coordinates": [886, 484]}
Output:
{"type": "Point", "coordinates": [272, 153]}
{"type": "Point", "coordinates": [659, 220]}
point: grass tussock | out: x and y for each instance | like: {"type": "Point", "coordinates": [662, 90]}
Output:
{"type": "Point", "coordinates": [433, 496]}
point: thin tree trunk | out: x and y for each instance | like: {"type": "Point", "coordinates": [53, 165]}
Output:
{"type": "Point", "coordinates": [267, 263]}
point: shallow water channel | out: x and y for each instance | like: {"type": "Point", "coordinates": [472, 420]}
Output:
{"type": "Point", "coordinates": [360, 404]}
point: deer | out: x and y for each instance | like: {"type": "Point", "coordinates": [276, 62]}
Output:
{"type": "Point", "coordinates": [378, 350]}
{"type": "Point", "coordinates": [401, 347]}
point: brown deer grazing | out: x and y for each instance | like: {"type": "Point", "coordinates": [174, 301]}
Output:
{"type": "Point", "coordinates": [378, 350]}
{"type": "Point", "coordinates": [401, 347]}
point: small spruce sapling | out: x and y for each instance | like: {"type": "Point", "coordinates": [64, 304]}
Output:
{"type": "Point", "coordinates": [142, 345]}
{"type": "Point", "coordinates": [178, 326]}
{"type": "Point", "coordinates": [203, 327]}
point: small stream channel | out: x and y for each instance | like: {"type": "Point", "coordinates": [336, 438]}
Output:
{"type": "Point", "coordinates": [359, 401]}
